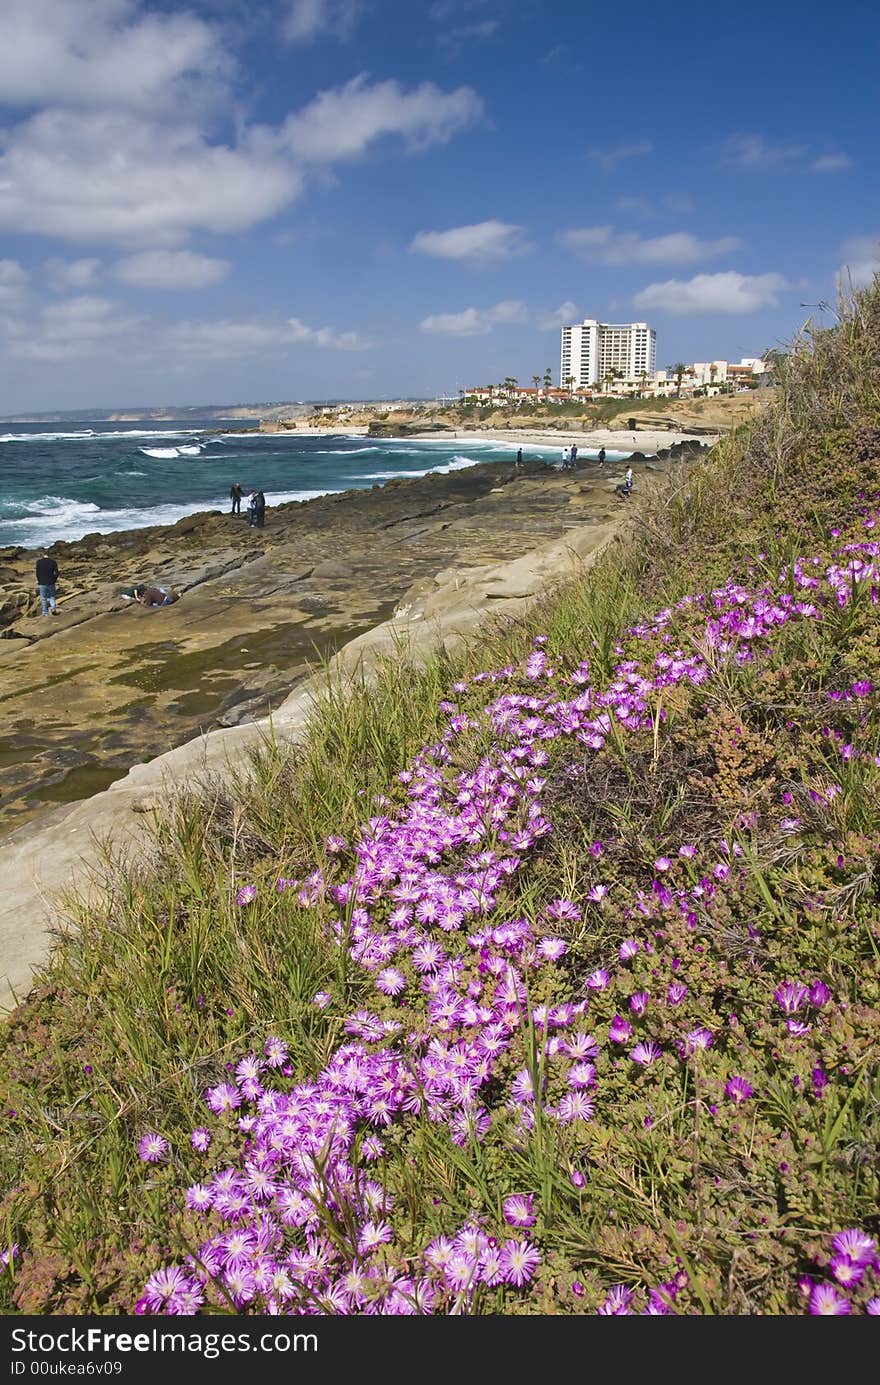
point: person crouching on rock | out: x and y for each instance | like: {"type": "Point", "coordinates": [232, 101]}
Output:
{"type": "Point", "coordinates": [155, 596]}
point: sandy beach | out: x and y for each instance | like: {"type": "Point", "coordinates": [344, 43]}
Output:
{"type": "Point", "coordinates": [113, 704]}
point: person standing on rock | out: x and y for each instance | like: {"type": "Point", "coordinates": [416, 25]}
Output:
{"type": "Point", "coordinates": [573, 456]}
{"type": "Point", "coordinates": [518, 458]}
{"type": "Point", "coordinates": [260, 509]}
{"type": "Point", "coordinates": [47, 577]}
{"type": "Point", "coordinates": [601, 456]}
{"type": "Point", "coordinates": [252, 508]}
{"type": "Point", "coordinates": [566, 453]}
{"type": "Point", "coordinates": [235, 494]}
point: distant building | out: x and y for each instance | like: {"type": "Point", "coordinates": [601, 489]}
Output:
{"type": "Point", "coordinates": [593, 351]}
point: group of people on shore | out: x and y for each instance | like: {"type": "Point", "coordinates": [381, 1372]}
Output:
{"type": "Point", "coordinates": [256, 506]}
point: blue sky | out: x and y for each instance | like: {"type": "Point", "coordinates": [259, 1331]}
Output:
{"type": "Point", "coordinates": [304, 199]}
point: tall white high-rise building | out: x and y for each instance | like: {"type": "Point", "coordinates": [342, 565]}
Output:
{"type": "Point", "coordinates": [592, 350]}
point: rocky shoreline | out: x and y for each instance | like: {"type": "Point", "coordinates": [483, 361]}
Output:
{"type": "Point", "coordinates": [99, 703]}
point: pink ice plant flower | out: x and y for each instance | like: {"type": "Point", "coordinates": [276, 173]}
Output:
{"type": "Point", "coordinates": [519, 1209]}
{"type": "Point", "coordinates": [441, 865]}
{"type": "Point", "coordinates": [152, 1147]}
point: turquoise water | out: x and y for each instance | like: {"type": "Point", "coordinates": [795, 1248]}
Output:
{"type": "Point", "coordinates": [58, 483]}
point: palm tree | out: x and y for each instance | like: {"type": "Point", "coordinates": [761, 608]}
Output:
{"type": "Point", "coordinates": [678, 370]}
{"type": "Point", "coordinates": [570, 382]}
{"type": "Point", "coordinates": [548, 379]}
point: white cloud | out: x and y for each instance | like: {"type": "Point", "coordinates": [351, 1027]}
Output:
{"type": "Point", "coordinates": [99, 53]}
{"type": "Point", "coordinates": [64, 275]}
{"type": "Point", "coordinates": [617, 153]}
{"type": "Point", "coordinates": [473, 322]}
{"type": "Point", "coordinates": [90, 327]}
{"type": "Point", "coordinates": [832, 163]}
{"type": "Point", "coordinates": [308, 19]}
{"type": "Point", "coordinates": [13, 282]}
{"type": "Point", "coordinates": [71, 330]}
{"type": "Point", "coordinates": [341, 122]}
{"type": "Point", "coordinates": [231, 340]}
{"type": "Point", "coordinates": [728, 292]}
{"type": "Point", "coordinates": [114, 177]}
{"type": "Point", "coordinates": [170, 269]}
{"type": "Point", "coordinates": [861, 256]}
{"type": "Point", "coordinates": [482, 243]}
{"type": "Point", "coordinates": [562, 316]}
{"type": "Point", "coordinates": [605, 245]}
{"type": "Point", "coordinates": [754, 151]}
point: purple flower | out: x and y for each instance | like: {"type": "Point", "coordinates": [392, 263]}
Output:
{"type": "Point", "coordinates": [825, 1301]}
{"type": "Point", "coordinates": [619, 1030]}
{"type": "Point", "coordinates": [597, 894]}
{"type": "Point", "coordinates": [519, 1260]}
{"type": "Point", "coordinates": [617, 1302]}
{"type": "Point", "coordinates": [552, 948]}
{"type": "Point", "coordinates": [688, 851]}
{"type": "Point", "coordinates": [676, 993]}
{"type": "Point", "coordinates": [200, 1139]}
{"type": "Point", "coordinates": [628, 948]}
{"type": "Point", "coordinates": [246, 894]}
{"type": "Point", "coordinates": [720, 871]}
{"type": "Point", "coordinates": [646, 1053]}
{"type": "Point", "coordinates": [860, 1247]}
{"type": "Point", "coordinates": [598, 980]}
{"type": "Point", "coordinates": [224, 1097]}
{"type": "Point", "coordinates": [846, 1271]}
{"type": "Point", "coordinates": [694, 1041]}
{"type": "Point", "coordinates": [739, 1089]}
{"type": "Point", "coordinates": [390, 981]}
{"type": "Point", "coordinates": [662, 863]}
{"type": "Point", "coordinates": [790, 997]}
{"type": "Point", "coordinates": [820, 994]}
{"type": "Point", "coordinates": [152, 1148]}
{"type": "Point", "coordinates": [518, 1209]}
{"type": "Point", "coordinates": [638, 1002]}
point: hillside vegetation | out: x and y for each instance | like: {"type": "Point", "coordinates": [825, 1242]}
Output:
{"type": "Point", "coordinates": [542, 979]}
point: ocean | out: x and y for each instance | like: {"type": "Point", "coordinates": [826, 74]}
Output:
{"type": "Point", "coordinates": [61, 483]}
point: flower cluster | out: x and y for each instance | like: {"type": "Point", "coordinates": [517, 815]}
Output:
{"type": "Point", "coordinates": [453, 973]}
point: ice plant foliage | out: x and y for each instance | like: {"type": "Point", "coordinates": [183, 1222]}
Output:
{"type": "Point", "coordinates": [481, 1020]}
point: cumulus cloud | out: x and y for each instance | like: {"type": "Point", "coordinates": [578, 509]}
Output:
{"type": "Point", "coordinates": [342, 121]}
{"type": "Point", "coordinates": [114, 177]}
{"type": "Point", "coordinates": [861, 256]}
{"type": "Point", "coordinates": [474, 322]}
{"type": "Point", "coordinates": [64, 275]}
{"type": "Point", "coordinates": [13, 282]}
{"type": "Point", "coordinates": [310, 19]}
{"type": "Point", "coordinates": [754, 151]}
{"type": "Point", "coordinates": [69, 331]}
{"type": "Point", "coordinates": [605, 245]}
{"type": "Point", "coordinates": [562, 316]}
{"type": "Point", "coordinates": [98, 53]}
{"type": "Point", "coordinates": [728, 292]}
{"type": "Point", "coordinates": [170, 269]}
{"type": "Point", "coordinates": [832, 163]}
{"type": "Point", "coordinates": [616, 154]}
{"type": "Point", "coordinates": [90, 327]}
{"type": "Point", "coordinates": [230, 339]}
{"type": "Point", "coordinates": [483, 243]}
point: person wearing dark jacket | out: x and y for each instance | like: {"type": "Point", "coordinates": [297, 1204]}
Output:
{"type": "Point", "coordinates": [47, 577]}
{"type": "Point", "coordinates": [235, 494]}
{"type": "Point", "coordinates": [260, 509]}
